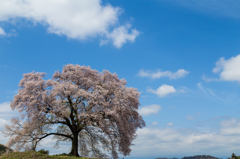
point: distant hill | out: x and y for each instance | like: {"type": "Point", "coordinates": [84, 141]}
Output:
{"type": "Point", "coordinates": [166, 158]}
{"type": "Point", "coordinates": [3, 149]}
{"type": "Point", "coordinates": [193, 157]}
{"type": "Point", "coordinates": [200, 157]}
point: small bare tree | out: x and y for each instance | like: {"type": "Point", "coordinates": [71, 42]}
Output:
{"type": "Point", "coordinates": [25, 134]}
{"type": "Point", "coordinates": [79, 105]}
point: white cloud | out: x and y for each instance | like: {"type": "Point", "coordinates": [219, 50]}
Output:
{"type": "Point", "coordinates": [229, 69]}
{"type": "Point", "coordinates": [169, 124]}
{"type": "Point", "coordinates": [5, 107]}
{"type": "Point", "coordinates": [6, 111]}
{"type": "Point", "coordinates": [148, 110]}
{"type": "Point", "coordinates": [154, 123]}
{"type": "Point", "coordinates": [163, 90]}
{"type": "Point", "coordinates": [3, 139]}
{"type": "Point", "coordinates": [169, 141]}
{"type": "Point", "coordinates": [2, 123]}
{"type": "Point", "coordinates": [120, 35]}
{"type": "Point", "coordinates": [12, 32]}
{"type": "Point", "coordinates": [230, 127]}
{"type": "Point", "coordinates": [2, 32]}
{"type": "Point", "coordinates": [154, 75]}
{"type": "Point", "coordinates": [72, 18]}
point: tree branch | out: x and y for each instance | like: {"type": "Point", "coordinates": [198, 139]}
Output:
{"type": "Point", "coordinates": [55, 134]}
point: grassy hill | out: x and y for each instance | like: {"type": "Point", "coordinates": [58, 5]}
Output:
{"type": "Point", "coordinates": [32, 155]}
{"type": "Point", "coordinates": [35, 155]}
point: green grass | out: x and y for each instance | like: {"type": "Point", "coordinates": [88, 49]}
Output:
{"type": "Point", "coordinates": [35, 155]}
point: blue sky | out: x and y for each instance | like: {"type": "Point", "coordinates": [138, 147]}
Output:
{"type": "Point", "coordinates": [184, 56]}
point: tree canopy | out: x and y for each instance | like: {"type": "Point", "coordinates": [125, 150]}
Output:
{"type": "Point", "coordinates": [94, 111]}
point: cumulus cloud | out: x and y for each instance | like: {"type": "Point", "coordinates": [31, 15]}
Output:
{"type": "Point", "coordinates": [2, 123]}
{"type": "Point", "coordinates": [169, 141]}
{"type": "Point", "coordinates": [72, 18]}
{"type": "Point", "coordinates": [2, 32]}
{"type": "Point", "coordinates": [120, 35]}
{"type": "Point", "coordinates": [229, 69]}
{"type": "Point", "coordinates": [5, 107]}
{"type": "Point", "coordinates": [163, 90]}
{"type": "Point", "coordinates": [230, 127]}
{"type": "Point", "coordinates": [6, 111]}
{"type": "Point", "coordinates": [148, 110]}
{"type": "Point", "coordinates": [169, 124]}
{"type": "Point", "coordinates": [159, 74]}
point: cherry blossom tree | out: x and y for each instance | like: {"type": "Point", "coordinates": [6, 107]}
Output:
{"type": "Point", "coordinates": [94, 111]}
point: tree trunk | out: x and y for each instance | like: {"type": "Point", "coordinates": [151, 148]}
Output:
{"type": "Point", "coordinates": [33, 146]}
{"type": "Point", "coordinates": [74, 150]}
